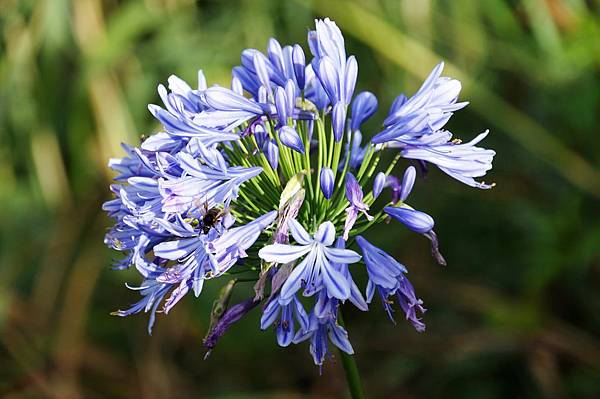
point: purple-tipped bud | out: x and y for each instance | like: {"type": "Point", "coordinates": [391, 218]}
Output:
{"type": "Point", "coordinates": [231, 315]}
{"type": "Point", "coordinates": [417, 221]}
{"type": "Point", "coordinates": [291, 138]}
{"type": "Point", "coordinates": [363, 107]}
{"type": "Point", "coordinates": [327, 181]}
{"type": "Point", "coordinates": [338, 120]}
{"type": "Point", "coordinates": [378, 184]}
{"type": "Point", "coordinates": [407, 182]}
{"type": "Point", "coordinates": [299, 65]}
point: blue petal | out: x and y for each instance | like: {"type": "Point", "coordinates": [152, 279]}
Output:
{"type": "Point", "coordinates": [325, 233]}
{"type": "Point", "coordinates": [269, 314]}
{"type": "Point", "coordinates": [339, 337]}
{"type": "Point", "coordinates": [299, 233]}
{"type": "Point", "coordinates": [336, 284]}
{"type": "Point", "coordinates": [224, 99]}
{"type": "Point", "coordinates": [281, 253]}
{"type": "Point", "coordinates": [178, 249]}
{"type": "Point", "coordinates": [294, 280]}
{"type": "Point", "coordinates": [341, 255]}
{"type": "Point", "coordinates": [299, 65]}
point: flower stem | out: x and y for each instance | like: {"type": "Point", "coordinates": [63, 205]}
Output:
{"type": "Point", "coordinates": [351, 370]}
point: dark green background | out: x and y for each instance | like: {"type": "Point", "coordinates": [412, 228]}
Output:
{"type": "Point", "coordinates": [516, 314]}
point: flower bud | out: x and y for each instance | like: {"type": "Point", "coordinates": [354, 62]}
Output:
{"type": "Point", "coordinates": [327, 181]}
{"type": "Point", "coordinates": [281, 105]}
{"type": "Point", "coordinates": [407, 182]}
{"type": "Point", "coordinates": [363, 107]}
{"type": "Point", "coordinates": [290, 138]}
{"type": "Point", "coordinates": [378, 184]}
{"type": "Point", "coordinates": [350, 80]}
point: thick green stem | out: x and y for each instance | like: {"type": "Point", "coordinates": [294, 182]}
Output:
{"type": "Point", "coordinates": [351, 370]}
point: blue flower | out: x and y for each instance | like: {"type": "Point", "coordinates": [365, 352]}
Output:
{"type": "Point", "coordinates": [153, 293]}
{"type": "Point", "coordinates": [316, 270]}
{"type": "Point", "coordinates": [232, 245]}
{"type": "Point", "coordinates": [425, 112]}
{"type": "Point", "coordinates": [322, 328]}
{"type": "Point", "coordinates": [284, 316]}
{"type": "Point", "coordinates": [203, 184]}
{"type": "Point", "coordinates": [228, 109]}
{"type": "Point", "coordinates": [182, 106]}
{"type": "Point", "coordinates": [463, 161]}
{"type": "Point", "coordinates": [387, 276]}
{"type": "Point", "coordinates": [314, 91]}
{"type": "Point", "coordinates": [217, 191]}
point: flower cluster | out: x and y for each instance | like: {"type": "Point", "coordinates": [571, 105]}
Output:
{"type": "Point", "coordinates": [269, 181]}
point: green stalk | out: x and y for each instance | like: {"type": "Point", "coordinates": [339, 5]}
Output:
{"type": "Point", "coordinates": [351, 370]}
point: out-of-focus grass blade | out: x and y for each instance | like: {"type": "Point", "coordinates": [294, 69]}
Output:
{"type": "Point", "coordinates": [375, 31]}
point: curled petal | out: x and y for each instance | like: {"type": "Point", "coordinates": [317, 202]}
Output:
{"type": "Point", "coordinates": [417, 221]}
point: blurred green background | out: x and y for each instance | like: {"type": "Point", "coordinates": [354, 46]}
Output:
{"type": "Point", "coordinates": [516, 314]}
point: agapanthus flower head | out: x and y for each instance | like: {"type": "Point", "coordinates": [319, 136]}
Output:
{"type": "Point", "coordinates": [269, 181]}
